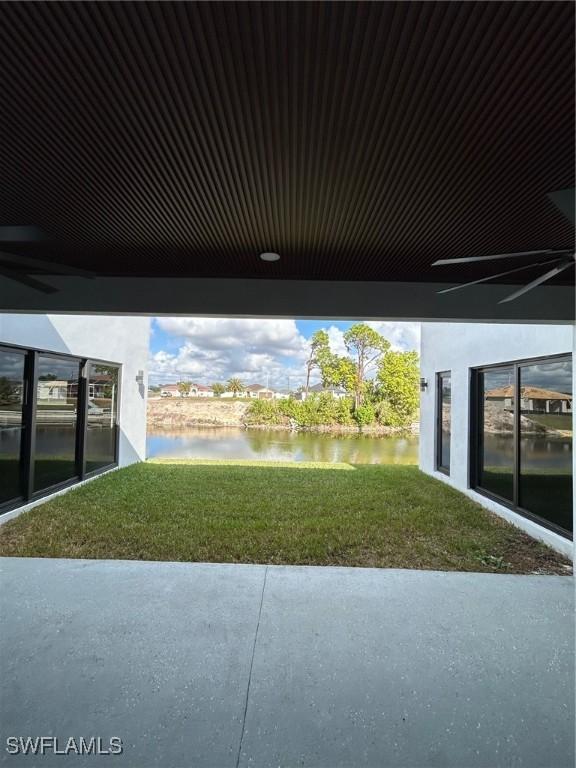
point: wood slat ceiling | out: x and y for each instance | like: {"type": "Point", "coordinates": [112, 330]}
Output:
{"type": "Point", "coordinates": [361, 141]}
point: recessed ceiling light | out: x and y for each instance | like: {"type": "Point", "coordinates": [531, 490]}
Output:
{"type": "Point", "coordinates": [270, 256]}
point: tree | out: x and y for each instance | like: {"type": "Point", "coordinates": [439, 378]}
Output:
{"type": "Point", "coordinates": [398, 376]}
{"type": "Point", "coordinates": [345, 374]}
{"type": "Point", "coordinates": [218, 389]}
{"type": "Point", "coordinates": [329, 366]}
{"type": "Point", "coordinates": [109, 379]}
{"type": "Point", "coordinates": [9, 392]}
{"type": "Point", "coordinates": [184, 388]}
{"type": "Point", "coordinates": [364, 415]}
{"type": "Point", "coordinates": [235, 386]}
{"type": "Point", "coordinates": [319, 344]}
{"type": "Point", "coordinates": [366, 346]}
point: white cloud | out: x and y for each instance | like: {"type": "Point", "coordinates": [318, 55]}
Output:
{"type": "Point", "coordinates": [336, 338]}
{"type": "Point", "coordinates": [402, 336]}
{"type": "Point", "coordinates": [215, 349]}
{"type": "Point", "coordinates": [282, 336]}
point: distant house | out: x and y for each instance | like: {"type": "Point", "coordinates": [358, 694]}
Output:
{"type": "Point", "coordinates": [532, 399]}
{"type": "Point", "coordinates": [283, 394]}
{"type": "Point", "coordinates": [337, 392]}
{"type": "Point", "coordinates": [199, 390]}
{"type": "Point", "coordinates": [243, 393]}
{"type": "Point", "coordinates": [259, 392]}
{"type": "Point", "coordinates": [196, 390]}
{"type": "Point", "coordinates": [169, 390]}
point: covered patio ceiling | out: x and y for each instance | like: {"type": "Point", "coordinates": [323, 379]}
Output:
{"type": "Point", "coordinates": [164, 146]}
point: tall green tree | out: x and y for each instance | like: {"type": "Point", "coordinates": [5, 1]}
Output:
{"type": "Point", "coordinates": [365, 346]}
{"type": "Point", "coordinates": [184, 388]}
{"type": "Point", "coordinates": [329, 367]}
{"type": "Point", "coordinates": [218, 389]}
{"type": "Point", "coordinates": [235, 386]}
{"type": "Point", "coordinates": [319, 345]}
{"type": "Point", "coordinates": [345, 374]}
{"type": "Point", "coordinates": [398, 377]}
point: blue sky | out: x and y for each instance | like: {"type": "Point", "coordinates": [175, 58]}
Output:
{"type": "Point", "coordinates": [262, 351]}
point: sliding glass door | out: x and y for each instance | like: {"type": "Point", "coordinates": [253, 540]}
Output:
{"type": "Point", "coordinates": [496, 445]}
{"type": "Point", "coordinates": [523, 438]}
{"type": "Point", "coordinates": [58, 421]}
{"type": "Point", "coordinates": [545, 481]}
{"type": "Point", "coordinates": [57, 387]}
{"type": "Point", "coordinates": [12, 383]}
{"type": "Point", "coordinates": [102, 415]}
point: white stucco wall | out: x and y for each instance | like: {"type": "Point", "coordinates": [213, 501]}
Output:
{"type": "Point", "coordinates": [115, 339]}
{"type": "Point", "coordinates": [457, 347]}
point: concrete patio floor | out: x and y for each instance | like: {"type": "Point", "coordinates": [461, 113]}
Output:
{"type": "Point", "coordinates": [199, 665]}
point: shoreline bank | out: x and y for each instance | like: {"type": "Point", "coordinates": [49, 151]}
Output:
{"type": "Point", "coordinates": [181, 414]}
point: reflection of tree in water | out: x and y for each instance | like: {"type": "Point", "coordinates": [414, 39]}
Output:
{"type": "Point", "coordinates": [256, 440]}
{"type": "Point", "coordinates": [235, 443]}
{"type": "Point", "coordinates": [325, 447]}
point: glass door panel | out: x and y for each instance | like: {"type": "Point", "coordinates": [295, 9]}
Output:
{"type": "Point", "coordinates": [56, 421]}
{"type": "Point", "coordinates": [496, 431]}
{"type": "Point", "coordinates": [444, 425]}
{"type": "Point", "coordinates": [102, 418]}
{"type": "Point", "coordinates": [12, 365]}
{"type": "Point", "coordinates": [545, 483]}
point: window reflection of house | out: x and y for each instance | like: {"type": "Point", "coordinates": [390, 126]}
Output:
{"type": "Point", "coordinates": [55, 390]}
{"type": "Point", "coordinates": [100, 387]}
{"type": "Point", "coordinates": [532, 399]}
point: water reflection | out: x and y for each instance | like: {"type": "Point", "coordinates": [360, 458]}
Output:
{"type": "Point", "coordinates": [538, 453]}
{"type": "Point", "coordinates": [234, 443]}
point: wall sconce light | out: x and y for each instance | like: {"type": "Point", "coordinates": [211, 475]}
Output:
{"type": "Point", "coordinates": [423, 385]}
{"type": "Point", "coordinates": [140, 377]}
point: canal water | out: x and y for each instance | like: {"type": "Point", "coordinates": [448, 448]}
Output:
{"type": "Point", "coordinates": [272, 445]}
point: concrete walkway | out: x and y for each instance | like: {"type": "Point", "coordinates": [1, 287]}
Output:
{"type": "Point", "coordinates": [196, 665]}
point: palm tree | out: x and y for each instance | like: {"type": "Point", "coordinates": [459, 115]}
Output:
{"type": "Point", "coordinates": [235, 386]}
{"type": "Point", "coordinates": [218, 389]}
{"type": "Point", "coordinates": [184, 388]}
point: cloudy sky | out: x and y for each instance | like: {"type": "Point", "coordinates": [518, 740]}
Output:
{"type": "Point", "coordinates": [205, 350]}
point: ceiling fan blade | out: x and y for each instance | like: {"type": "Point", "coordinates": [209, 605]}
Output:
{"type": "Point", "coordinates": [23, 234]}
{"type": "Point", "coordinates": [30, 282]}
{"type": "Point", "coordinates": [471, 259]}
{"type": "Point", "coordinates": [48, 266]}
{"type": "Point", "coordinates": [493, 277]}
{"type": "Point", "coordinates": [564, 200]}
{"type": "Point", "coordinates": [539, 280]}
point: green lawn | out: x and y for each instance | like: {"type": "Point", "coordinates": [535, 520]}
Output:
{"type": "Point", "coordinates": [260, 512]}
{"type": "Point", "coordinates": [562, 421]}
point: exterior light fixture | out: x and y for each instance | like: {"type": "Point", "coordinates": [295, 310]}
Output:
{"type": "Point", "coordinates": [270, 256]}
{"type": "Point", "coordinates": [423, 385]}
